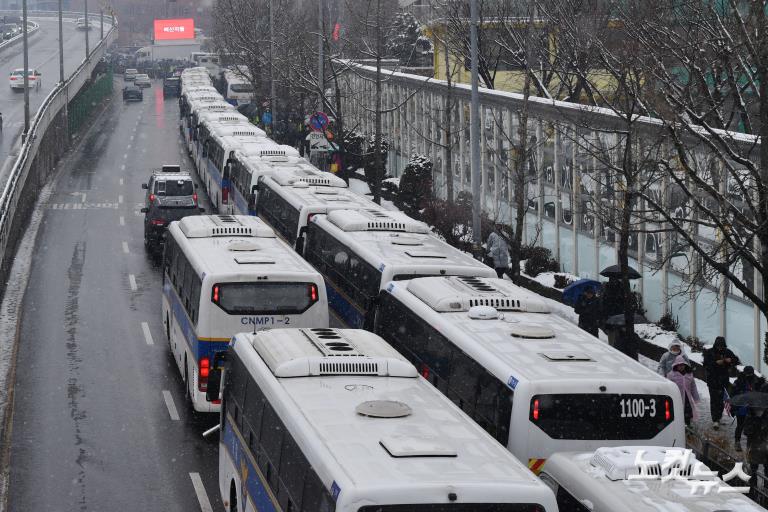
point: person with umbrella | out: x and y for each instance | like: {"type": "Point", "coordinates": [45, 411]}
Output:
{"type": "Point", "coordinates": [682, 375]}
{"type": "Point", "coordinates": [718, 362]}
{"type": "Point", "coordinates": [589, 309]}
{"type": "Point", "coordinates": [668, 359]}
{"type": "Point", "coordinates": [746, 382]}
{"type": "Point", "coordinates": [498, 250]}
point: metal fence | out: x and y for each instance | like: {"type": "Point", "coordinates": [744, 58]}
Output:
{"type": "Point", "coordinates": [557, 216]}
{"type": "Point", "coordinates": [45, 143]}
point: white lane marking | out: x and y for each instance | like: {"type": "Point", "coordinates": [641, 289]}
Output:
{"type": "Point", "coordinates": [121, 181]}
{"type": "Point", "coordinates": [202, 496]}
{"type": "Point", "coordinates": [132, 137]}
{"type": "Point", "coordinates": [122, 168]}
{"type": "Point", "coordinates": [82, 198]}
{"type": "Point", "coordinates": [125, 156]}
{"type": "Point", "coordinates": [122, 220]}
{"type": "Point", "coordinates": [125, 248]}
{"type": "Point", "coordinates": [132, 281]}
{"type": "Point", "coordinates": [120, 198]}
{"type": "Point", "coordinates": [174, 414]}
{"type": "Point", "coordinates": [147, 334]}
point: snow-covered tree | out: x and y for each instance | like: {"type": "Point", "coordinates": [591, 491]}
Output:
{"type": "Point", "coordinates": [405, 40]}
{"type": "Point", "coordinates": [415, 187]}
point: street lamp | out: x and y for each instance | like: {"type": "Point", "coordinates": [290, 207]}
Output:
{"type": "Point", "coordinates": [474, 133]}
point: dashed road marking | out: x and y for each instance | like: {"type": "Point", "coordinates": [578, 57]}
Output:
{"type": "Point", "coordinates": [132, 282]}
{"type": "Point", "coordinates": [120, 198]}
{"type": "Point", "coordinates": [125, 156]}
{"type": "Point", "coordinates": [125, 248]}
{"type": "Point", "coordinates": [82, 206]}
{"type": "Point", "coordinates": [172, 412]}
{"type": "Point", "coordinates": [147, 333]}
{"type": "Point", "coordinates": [132, 137]}
{"type": "Point", "coordinates": [122, 220]}
{"type": "Point", "coordinates": [202, 496]}
{"type": "Point", "coordinates": [122, 168]}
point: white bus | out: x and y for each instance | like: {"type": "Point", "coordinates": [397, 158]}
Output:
{"type": "Point", "coordinates": [359, 251]}
{"type": "Point", "coordinates": [600, 481]}
{"type": "Point", "coordinates": [248, 169]}
{"type": "Point", "coordinates": [231, 123]}
{"type": "Point", "coordinates": [199, 109]}
{"type": "Point", "coordinates": [227, 274]}
{"type": "Point", "coordinates": [209, 61]}
{"type": "Point", "coordinates": [237, 89]}
{"type": "Point", "coordinates": [323, 420]}
{"type": "Point", "coordinates": [287, 204]}
{"type": "Point", "coordinates": [534, 381]}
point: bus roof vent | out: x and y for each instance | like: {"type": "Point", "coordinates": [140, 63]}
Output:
{"type": "Point", "coordinates": [455, 294]}
{"type": "Point", "coordinates": [272, 152]}
{"type": "Point", "coordinates": [383, 409]}
{"type": "Point", "coordinates": [244, 133]}
{"type": "Point", "coordinates": [230, 119]}
{"type": "Point", "coordinates": [416, 446]}
{"type": "Point", "coordinates": [310, 176]}
{"type": "Point", "coordinates": [376, 220]}
{"type": "Point", "coordinates": [620, 462]}
{"type": "Point", "coordinates": [324, 351]}
{"type": "Point", "coordinates": [531, 332]}
{"type": "Point", "coordinates": [206, 226]}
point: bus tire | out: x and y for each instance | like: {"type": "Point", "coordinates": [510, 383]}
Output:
{"type": "Point", "coordinates": [168, 329]}
{"type": "Point", "coordinates": [232, 497]}
{"type": "Point", "coordinates": [187, 394]}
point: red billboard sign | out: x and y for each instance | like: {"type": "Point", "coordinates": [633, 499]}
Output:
{"type": "Point", "coordinates": [174, 29]}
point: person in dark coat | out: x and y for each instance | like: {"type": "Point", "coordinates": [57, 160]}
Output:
{"type": "Point", "coordinates": [718, 362]}
{"type": "Point", "coordinates": [590, 312]}
{"type": "Point", "coordinates": [756, 430]}
{"type": "Point", "coordinates": [613, 298]}
{"type": "Point", "coordinates": [747, 381]}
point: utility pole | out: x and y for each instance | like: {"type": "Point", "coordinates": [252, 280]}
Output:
{"type": "Point", "coordinates": [321, 57]}
{"type": "Point", "coordinates": [61, 45]}
{"type": "Point", "coordinates": [474, 134]}
{"type": "Point", "coordinates": [26, 69]}
{"type": "Point", "coordinates": [272, 95]}
{"type": "Point", "coordinates": [87, 29]}
{"type": "Point", "coordinates": [101, 19]}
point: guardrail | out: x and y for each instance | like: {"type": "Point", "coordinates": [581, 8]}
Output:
{"type": "Point", "coordinates": [32, 167]}
{"type": "Point", "coordinates": [31, 30]}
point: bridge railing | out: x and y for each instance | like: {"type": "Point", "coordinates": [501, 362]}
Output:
{"type": "Point", "coordinates": [44, 144]}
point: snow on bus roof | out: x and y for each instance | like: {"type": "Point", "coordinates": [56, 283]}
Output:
{"type": "Point", "coordinates": [518, 338]}
{"type": "Point", "coordinates": [436, 447]}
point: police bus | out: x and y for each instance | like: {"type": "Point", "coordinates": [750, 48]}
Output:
{"type": "Point", "coordinates": [216, 164]}
{"type": "Point", "coordinates": [227, 124]}
{"type": "Point", "coordinates": [322, 420]}
{"type": "Point", "coordinates": [237, 89]}
{"type": "Point", "coordinates": [287, 202]}
{"type": "Point", "coordinates": [533, 380]}
{"type": "Point", "coordinates": [359, 251]}
{"type": "Point", "coordinates": [227, 274]}
{"type": "Point", "coordinates": [199, 110]}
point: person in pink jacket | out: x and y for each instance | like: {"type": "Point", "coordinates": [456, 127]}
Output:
{"type": "Point", "coordinates": [682, 375]}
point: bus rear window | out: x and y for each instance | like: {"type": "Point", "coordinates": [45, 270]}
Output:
{"type": "Point", "coordinates": [601, 417]}
{"type": "Point", "coordinates": [264, 298]}
{"type": "Point", "coordinates": [455, 507]}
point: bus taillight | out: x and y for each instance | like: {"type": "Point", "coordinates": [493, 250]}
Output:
{"type": "Point", "coordinates": [667, 410]}
{"type": "Point", "coordinates": [205, 371]}
{"type": "Point", "coordinates": [313, 293]}
{"type": "Point", "coordinates": [535, 412]}
{"type": "Point", "coordinates": [225, 195]}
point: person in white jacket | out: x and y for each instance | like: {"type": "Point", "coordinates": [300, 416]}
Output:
{"type": "Point", "coordinates": [498, 251]}
{"type": "Point", "coordinates": [668, 359]}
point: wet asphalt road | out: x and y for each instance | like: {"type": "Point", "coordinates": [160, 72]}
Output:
{"type": "Point", "coordinates": [92, 430]}
{"type": "Point", "coordinates": [43, 55]}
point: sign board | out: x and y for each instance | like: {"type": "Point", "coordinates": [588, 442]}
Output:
{"type": "Point", "coordinates": [168, 30]}
{"type": "Point", "coordinates": [318, 121]}
{"type": "Point", "coordinates": [318, 142]}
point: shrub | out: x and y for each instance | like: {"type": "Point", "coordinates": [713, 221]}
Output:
{"type": "Point", "coordinates": [539, 259]}
{"type": "Point", "coordinates": [453, 221]}
{"type": "Point", "coordinates": [415, 188]}
{"type": "Point", "coordinates": [561, 281]}
{"type": "Point", "coordinates": [668, 322]}
{"type": "Point", "coordinates": [694, 342]}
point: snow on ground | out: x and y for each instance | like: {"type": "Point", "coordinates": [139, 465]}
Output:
{"type": "Point", "coordinates": [358, 186]}
{"type": "Point", "coordinates": [548, 278]}
{"type": "Point", "coordinates": [652, 333]}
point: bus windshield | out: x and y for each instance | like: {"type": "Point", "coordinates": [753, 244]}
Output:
{"type": "Point", "coordinates": [241, 88]}
{"type": "Point", "coordinates": [603, 416]}
{"type": "Point", "coordinates": [264, 298]}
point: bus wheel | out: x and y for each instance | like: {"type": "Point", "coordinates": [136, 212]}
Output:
{"type": "Point", "coordinates": [168, 329]}
{"type": "Point", "coordinates": [187, 394]}
{"type": "Point", "coordinates": [232, 497]}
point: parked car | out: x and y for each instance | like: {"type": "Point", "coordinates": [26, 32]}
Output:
{"type": "Point", "coordinates": [130, 74]}
{"type": "Point", "coordinates": [171, 87]}
{"type": "Point", "coordinates": [142, 80]}
{"type": "Point", "coordinates": [170, 196]}
{"type": "Point", "coordinates": [16, 80]}
{"type": "Point", "coordinates": [132, 93]}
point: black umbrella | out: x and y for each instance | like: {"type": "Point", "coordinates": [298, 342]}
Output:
{"type": "Point", "coordinates": [618, 320]}
{"type": "Point", "coordinates": [615, 271]}
{"type": "Point", "coordinates": [754, 399]}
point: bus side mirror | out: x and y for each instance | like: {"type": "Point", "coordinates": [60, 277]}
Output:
{"type": "Point", "coordinates": [144, 186]}
{"type": "Point", "coordinates": [214, 385]}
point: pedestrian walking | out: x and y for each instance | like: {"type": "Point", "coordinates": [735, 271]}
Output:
{"type": "Point", "coordinates": [613, 298]}
{"type": "Point", "coordinates": [668, 359]}
{"type": "Point", "coordinates": [590, 312]}
{"type": "Point", "coordinates": [498, 250]}
{"type": "Point", "coordinates": [682, 375]}
{"type": "Point", "coordinates": [718, 362]}
{"type": "Point", "coordinates": [756, 430]}
{"type": "Point", "coordinates": [746, 381]}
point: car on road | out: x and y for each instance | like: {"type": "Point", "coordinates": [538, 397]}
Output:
{"type": "Point", "coordinates": [16, 79]}
{"type": "Point", "coordinates": [171, 87]}
{"type": "Point", "coordinates": [130, 74]}
{"type": "Point", "coordinates": [142, 80]}
{"type": "Point", "coordinates": [132, 93]}
{"type": "Point", "coordinates": [170, 196]}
